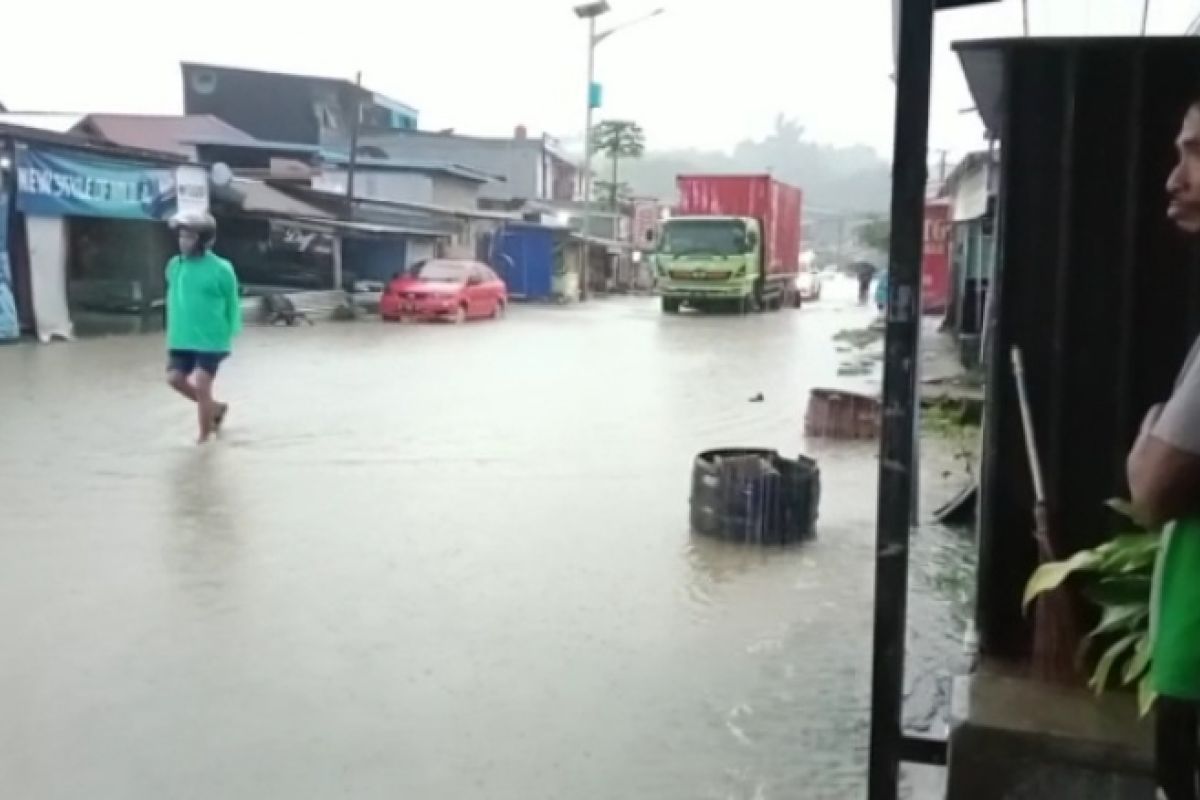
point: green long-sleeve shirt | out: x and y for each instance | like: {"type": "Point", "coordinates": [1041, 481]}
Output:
{"type": "Point", "coordinates": [203, 307]}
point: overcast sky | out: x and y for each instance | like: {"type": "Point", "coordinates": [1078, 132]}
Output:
{"type": "Point", "coordinates": [706, 73]}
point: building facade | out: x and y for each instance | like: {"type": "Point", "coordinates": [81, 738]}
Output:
{"type": "Point", "coordinates": [85, 240]}
{"type": "Point", "coordinates": [298, 109]}
{"type": "Point", "coordinates": [397, 181]}
{"type": "Point", "coordinates": [528, 169]}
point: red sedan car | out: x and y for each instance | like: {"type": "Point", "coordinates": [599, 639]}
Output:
{"type": "Point", "coordinates": [445, 289]}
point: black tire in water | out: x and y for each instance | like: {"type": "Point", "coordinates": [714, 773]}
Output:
{"type": "Point", "coordinates": [670, 305]}
{"type": "Point", "coordinates": [754, 496]}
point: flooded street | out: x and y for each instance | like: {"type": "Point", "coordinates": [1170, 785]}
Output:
{"type": "Point", "coordinates": [434, 561]}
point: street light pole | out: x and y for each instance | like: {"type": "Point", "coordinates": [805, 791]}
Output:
{"type": "Point", "coordinates": [590, 11]}
{"type": "Point", "coordinates": [586, 169]}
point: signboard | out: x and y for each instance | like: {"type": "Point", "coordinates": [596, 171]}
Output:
{"type": "Point", "coordinates": [294, 239]}
{"type": "Point", "coordinates": [10, 328]}
{"type": "Point", "coordinates": [645, 224]}
{"type": "Point", "coordinates": [57, 183]}
{"type": "Point", "coordinates": [191, 189]}
{"type": "Point", "coordinates": [935, 260]}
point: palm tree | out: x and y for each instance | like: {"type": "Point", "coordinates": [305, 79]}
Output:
{"type": "Point", "coordinates": [618, 138]}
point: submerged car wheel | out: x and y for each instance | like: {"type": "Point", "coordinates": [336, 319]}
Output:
{"type": "Point", "coordinates": [499, 311]}
{"type": "Point", "coordinates": [460, 315]}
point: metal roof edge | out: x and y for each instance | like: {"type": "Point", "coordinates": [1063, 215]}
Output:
{"type": "Point", "coordinates": [77, 142]}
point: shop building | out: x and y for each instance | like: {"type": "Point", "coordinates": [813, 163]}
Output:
{"type": "Point", "coordinates": [86, 240]}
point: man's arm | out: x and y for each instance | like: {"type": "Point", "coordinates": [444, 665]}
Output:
{"type": "Point", "coordinates": [1164, 466]}
{"type": "Point", "coordinates": [233, 302]}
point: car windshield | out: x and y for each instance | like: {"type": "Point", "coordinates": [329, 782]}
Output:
{"type": "Point", "coordinates": [441, 272]}
{"type": "Point", "coordinates": [707, 237]}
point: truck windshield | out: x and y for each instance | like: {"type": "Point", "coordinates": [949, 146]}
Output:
{"type": "Point", "coordinates": [704, 237]}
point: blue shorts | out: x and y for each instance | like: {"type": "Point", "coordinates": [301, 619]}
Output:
{"type": "Point", "coordinates": [185, 362]}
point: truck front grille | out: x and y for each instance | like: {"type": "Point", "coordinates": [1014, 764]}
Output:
{"type": "Point", "coordinates": [699, 275]}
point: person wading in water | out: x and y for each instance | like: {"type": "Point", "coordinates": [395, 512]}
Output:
{"type": "Point", "coordinates": [203, 315]}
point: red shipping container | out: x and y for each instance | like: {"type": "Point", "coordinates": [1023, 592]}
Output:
{"type": "Point", "coordinates": [935, 260]}
{"type": "Point", "coordinates": [777, 206]}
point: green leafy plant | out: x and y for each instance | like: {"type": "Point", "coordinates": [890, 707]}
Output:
{"type": "Point", "coordinates": [1116, 578]}
{"type": "Point", "coordinates": [618, 139]}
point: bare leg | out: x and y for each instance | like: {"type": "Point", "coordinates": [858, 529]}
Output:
{"type": "Point", "coordinates": [206, 407]}
{"type": "Point", "coordinates": [180, 383]}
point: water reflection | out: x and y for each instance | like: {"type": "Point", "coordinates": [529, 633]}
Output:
{"type": "Point", "coordinates": [201, 528]}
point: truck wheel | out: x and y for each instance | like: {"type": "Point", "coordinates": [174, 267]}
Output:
{"type": "Point", "coordinates": [670, 305]}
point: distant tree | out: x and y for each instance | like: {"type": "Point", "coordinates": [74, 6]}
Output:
{"type": "Point", "coordinates": [847, 178]}
{"type": "Point", "coordinates": [875, 233]}
{"type": "Point", "coordinates": [618, 139]}
{"type": "Point", "coordinates": [604, 190]}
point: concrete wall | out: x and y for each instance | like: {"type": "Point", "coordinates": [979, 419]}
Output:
{"type": "Point", "coordinates": [518, 161]}
{"type": "Point", "coordinates": [455, 193]}
{"type": "Point", "coordinates": [419, 250]}
{"type": "Point", "coordinates": [403, 187]}
{"type": "Point", "coordinates": [1017, 739]}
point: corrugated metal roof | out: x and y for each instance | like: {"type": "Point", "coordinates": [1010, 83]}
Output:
{"type": "Point", "coordinates": [259, 198]}
{"type": "Point", "coordinates": [427, 208]}
{"type": "Point", "coordinates": [166, 133]}
{"type": "Point", "coordinates": [390, 229]}
{"type": "Point", "coordinates": [254, 144]}
{"type": "Point", "coordinates": [412, 165]}
{"type": "Point", "coordinates": [80, 142]}
{"type": "Point", "coordinates": [42, 121]}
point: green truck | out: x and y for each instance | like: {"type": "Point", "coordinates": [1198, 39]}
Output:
{"type": "Point", "coordinates": [732, 242]}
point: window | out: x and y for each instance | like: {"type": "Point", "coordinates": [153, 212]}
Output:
{"type": "Point", "coordinates": [442, 271]}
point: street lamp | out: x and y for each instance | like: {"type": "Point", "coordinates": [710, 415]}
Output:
{"type": "Point", "coordinates": [590, 11]}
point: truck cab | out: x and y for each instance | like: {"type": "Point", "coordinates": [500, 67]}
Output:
{"type": "Point", "coordinates": [709, 261]}
{"type": "Point", "coordinates": [732, 242]}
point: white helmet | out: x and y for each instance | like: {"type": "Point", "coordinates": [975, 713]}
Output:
{"type": "Point", "coordinates": [198, 221]}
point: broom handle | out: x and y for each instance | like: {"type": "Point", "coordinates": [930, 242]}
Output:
{"type": "Point", "coordinates": [1035, 463]}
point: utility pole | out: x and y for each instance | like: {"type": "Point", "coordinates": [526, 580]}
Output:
{"type": "Point", "coordinates": [901, 358]}
{"type": "Point", "coordinates": [355, 122]}
{"type": "Point", "coordinates": [586, 172]}
{"type": "Point", "coordinates": [590, 11]}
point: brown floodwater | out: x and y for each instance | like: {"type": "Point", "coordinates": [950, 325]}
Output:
{"type": "Point", "coordinates": [435, 561]}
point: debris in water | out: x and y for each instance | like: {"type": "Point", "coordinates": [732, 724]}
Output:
{"type": "Point", "coordinates": [861, 337]}
{"type": "Point", "coordinates": [758, 398]}
{"type": "Point", "coordinates": [853, 370]}
{"type": "Point", "coordinates": [754, 496]}
{"type": "Point", "coordinates": [836, 414]}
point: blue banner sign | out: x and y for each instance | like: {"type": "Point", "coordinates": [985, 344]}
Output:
{"type": "Point", "coordinates": [64, 183]}
{"type": "Point", "coordinates": [10, 328]}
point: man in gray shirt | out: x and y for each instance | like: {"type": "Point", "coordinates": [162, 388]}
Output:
{"type": "Point", "coordinates": [1164, 479]}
